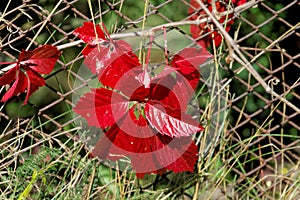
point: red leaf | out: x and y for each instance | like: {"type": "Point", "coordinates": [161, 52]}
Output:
{"type": "Point", "coordinates": [111, 62]}
{"type": "Point", "coordinates": [87, 50]}
{"type": "Point", "coordinates": [18, 86]}
{"type": "Point", "coordinates": [149, 152]}
{"type": "Point", "coordinates": [131, 85]}
{"type": "Point", "coordinates": [41, 59]}
{"type": "Point", "coordinates": [143, 116]}
{"type": "Point", "coordinates": [178, 155]}
{"type": "Point", "coordinates": [27, 69]}
{"type": "Point", "coordinates": [126, 137]}
{"type": "Point", "coordinates": [102, 107]}
{"type": "Point", "coordinates": [238, 2]}
{"type": "Point", "coordinates": [172, 123]}
{"type": "Point", "coordinates": [187, 63]}
{"type": "Point", "coordinates": [166, 93]}
{"type": "Point", "coordinates": [187, 160]}
{"type": "Point", "coordinates": [139, 94]}
{"type": "Point", "coordinates": [34, 82]}
{"type": "Point", "coordinates": [90, 33]}
{"type": "Point", "coordinates": [10, 76]}
{"type": "Point", "coordinates": [173, 90]}
{"type": "Point", "coordinates": [205, 27]}
{"type": "Point", "coordinates": [109, 59]}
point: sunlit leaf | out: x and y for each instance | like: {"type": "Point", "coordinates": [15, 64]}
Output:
{"type": "Point", "coordinates": [172, 123]}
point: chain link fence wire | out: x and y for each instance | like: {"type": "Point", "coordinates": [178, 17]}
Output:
{"type": "Point", "coordinates": [261, 136]}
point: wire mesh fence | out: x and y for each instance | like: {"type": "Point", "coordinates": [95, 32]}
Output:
{"type": "Point", "coordinates": [260, 138]}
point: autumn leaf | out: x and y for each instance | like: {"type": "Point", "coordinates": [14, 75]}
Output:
{"type": "Point", "coordinates": [111, 61]}
{"type": "Point", "coordinates": [187, 63]}
{"type": "Point", "coordinates": [143, 116]}
{"type": "Point", "coordinates": [107, 107]}
{"type": "Point", "coordinates": [137, 129]}
{"type": "Point", "coordinates": [238, 2]}
{"type": "Point", "coordinates": [208, 27]}
{"type": "Point", "coordinates": [91, 34]}
{"type": "Point", "coordinates": [149, 152]}
{"type": "Point", "coordinates": [41, 59]}
{"type": "Point", "coordinates": [103, 107]}
{"type": "Point", "coordinates": [170, 122]}
{"type": "Point", "coordinates": [27, 70]}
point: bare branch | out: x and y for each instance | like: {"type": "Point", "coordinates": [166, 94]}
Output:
{"type": "Point", "coordinates": [239, 57]}
{"type": "Point", "coordinates": [151, 31]}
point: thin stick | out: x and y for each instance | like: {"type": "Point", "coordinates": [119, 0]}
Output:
{"type": "Point", "coordinates": [242, 60]}
{"type": "Point", "coordinates": [43, 25]}
{"type": "Point", "coordinates": [151, 31]}
{"type": "Point", "coordinates": [275, 42]}
{"type": "Point", "coordinates": [145, 33]}
{"type": "Point", "coordinates": [166, 46]}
